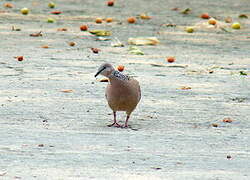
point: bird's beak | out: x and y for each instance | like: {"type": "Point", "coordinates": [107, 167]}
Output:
{"type": "Point", "coordinates": [99, 71]}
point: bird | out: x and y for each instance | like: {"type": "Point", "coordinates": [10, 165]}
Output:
{"type": "Point", "coordinates": [123, 93]}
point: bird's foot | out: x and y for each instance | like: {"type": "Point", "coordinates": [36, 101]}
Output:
{"type": "Point", "coordinates": [114, 125]}
{"type": "Point", "coordinates": [125, 126]}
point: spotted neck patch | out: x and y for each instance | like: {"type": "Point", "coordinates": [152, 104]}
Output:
{"type": "Point", "coordinates": [119, 75]}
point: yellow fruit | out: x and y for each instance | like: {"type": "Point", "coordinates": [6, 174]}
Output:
{"type": "Point", "coordinates": [189, 29]}
{"type": "Point", "coordinates": [236, 25]}
{"type": "Point", "coordinates": [25, 11]}
{"type": "Point", "coordinates": [212, 21]}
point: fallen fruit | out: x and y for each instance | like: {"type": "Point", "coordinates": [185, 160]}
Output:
{"type": "Point", "coordinates": [19, 58]}
{"type": "Point", "coordinates": [45, 46]}
{"type": "Point", "coordinates": [50, 20]}
{"type": "Point", "coordinates": [227, 120]}
{"type": "Point", "coordinates": [212, 21]}
{"type": "Point", "coordinates": [72, 43]}
{"type": "Point", "coordinates": [40, 145]}
{"type": "Point", "coordinates": [52, 5]}
{"type": "Point", "coordinates": [120, 68]}
{"type": "Point", "coordinates": [56, 12]}
{"type": "Point", "coordinates": [95, 50]}
{"type": "Point", "coordinates": [236, 25]}
{"type": "Point", "coordinates": [83, 27]}
{"type": "Point", "coordinates": [98, 20]}
{"type": "Point", "coordinates": [189, 29]}
{"type": "Point", "coordinates": [228, 19]}
{"type": "Point", "coordinates": [171, 59]}
{"type": "Point", "coordinates": [215, 125]}
{"type": "Point", "coordinates": [24, 11]}
{"type": "Point", "coordinates": [110, 3]}
{"type": "Point", "coordinates": [108, 20]}
{"type": "Point", "coordinates": [8, 5]}
{"type": "Point", "coordinates": [205, 16]}
{"type": "Point", "coordinates": [131, 20]}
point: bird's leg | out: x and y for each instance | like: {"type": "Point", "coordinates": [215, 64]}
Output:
{"type": "Point", "coordinates": [126, 122]}
{"type": "Point", "coordinates": [115, 124]}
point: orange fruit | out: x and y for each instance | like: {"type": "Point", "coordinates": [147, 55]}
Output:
{"type": "Point", "coordinates": [205, 16]}
{"type": "Point", "coordinates": [108, 20]}
{"type": "Point", "coordinates": [120, 68]}
{"type": "Point", "coordinates": [131, 20]}
{"type": "Point", "coordinates": [171, 59]}
{"type": "Point", "coordinates": [98, 20]}
{"type": "Point", "coordinates": [83, 27]}
{"type": "Point", "coordinates": [212, 21]}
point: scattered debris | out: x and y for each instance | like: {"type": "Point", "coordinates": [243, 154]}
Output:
{"type": "Point", "coordinates": [100, 32]}
{"type": "Point", "coordinates": [215, 125]}
{"type": "Point", "coordinates": [243, 73]}
{"type": "Point", "coordinates": [143, 41]}
{"type": "Point", "coordinates": [243, 16]}
{"type": "Point", "coordinates": [36, 34]}
{"type": "Point", "coordinates": [95, 50]}
{"type": "Point", "coordinates": [67, 90]}
{"type": "Point", "coordinates": [62, 29]}
{"type": "Point", "coordinates": [227, 120]}
{"type": "Point", "coordinates": [185, 88]}
{"type": "Point", "coordinates": [72, 43]}
{"type": "Point", "coordinates": [186, 11]}
{"type": "Point", "coordinates": [117, 43]}
{"type": "Point", "coordinates": [135, 50]}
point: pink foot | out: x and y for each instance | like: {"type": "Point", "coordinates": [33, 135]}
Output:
{"type": "Point", "coordinates": [114, 125]}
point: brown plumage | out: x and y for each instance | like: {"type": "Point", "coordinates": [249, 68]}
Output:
{"type": "Point", "coordinates": [122, 93]}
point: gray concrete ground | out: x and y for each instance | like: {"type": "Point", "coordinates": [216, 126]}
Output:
{"type": "Point", "coordinates": [49, 134]}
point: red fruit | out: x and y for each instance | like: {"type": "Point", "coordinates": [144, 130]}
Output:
{"type": "Point", "coordinates": [110, 3]}
{"type": "Point", "coordinates": [205, 16]}
{"type": "Point", "coordinates": [84, 27]}
{"type": "Point", "coordinates": [19, 58]}
{"type": "Point", "coordinates": [95, 50]}
{"type": "Point", "coordinates": [120, 68]}
{"type": "Point", "coordinates": [171, 59]}
{"type": "Point", "coordinates": [56, 12]}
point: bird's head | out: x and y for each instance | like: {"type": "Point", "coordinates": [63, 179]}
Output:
{"type": "Point", "coordinates": [105, 70]}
